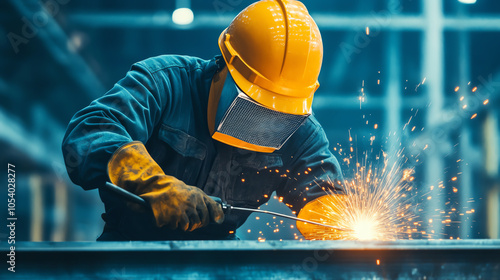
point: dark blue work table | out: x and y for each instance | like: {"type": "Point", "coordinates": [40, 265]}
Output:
{"type": "Point", "coordinates": [408, 259]}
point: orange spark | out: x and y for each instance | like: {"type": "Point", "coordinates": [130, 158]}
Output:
{"type": "Point", "coordinates": [373, 206]}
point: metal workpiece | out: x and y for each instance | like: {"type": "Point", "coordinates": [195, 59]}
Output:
{"type": "Point", "coordinates": [407, 259]}
{"type": "Point", "coordinates": [230, 207]}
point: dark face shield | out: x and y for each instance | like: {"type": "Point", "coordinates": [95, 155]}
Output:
{"type": "Point", "coordinates": [244, 123]}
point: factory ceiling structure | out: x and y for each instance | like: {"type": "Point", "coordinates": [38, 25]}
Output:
{"type": "Point", "coordinates": [387, 65]}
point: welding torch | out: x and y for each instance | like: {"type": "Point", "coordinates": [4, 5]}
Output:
{"type": "Point", "coordinates": [226, 208]}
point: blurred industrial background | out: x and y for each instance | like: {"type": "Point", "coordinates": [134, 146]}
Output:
{"type": "Point", "coordinates": [427, 70]}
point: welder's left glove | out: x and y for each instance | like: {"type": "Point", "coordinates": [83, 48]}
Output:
{"type": "Point", "coordinates": [327, 209]}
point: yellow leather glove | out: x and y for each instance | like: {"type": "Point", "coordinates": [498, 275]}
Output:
{"type": "Point", "coordinates": [327, 209]}
{"type": "Point", "coordinates": [174, 204]}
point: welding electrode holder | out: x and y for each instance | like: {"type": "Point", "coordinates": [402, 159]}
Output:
{"type": "Point", "coordinates": [226, 208]}
{"type": "Point", "coordinates": [139, 200]}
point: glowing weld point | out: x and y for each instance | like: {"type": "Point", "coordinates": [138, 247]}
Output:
{"type": "Point", "coordinates": [375, 206]}
{"type": "Point", "coordinates": [364, 229]}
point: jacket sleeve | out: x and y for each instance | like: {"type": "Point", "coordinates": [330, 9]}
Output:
{"type": "Point", "coordinates": [316, 172]}
{"type": "Point", "coordinates": [128, 112]}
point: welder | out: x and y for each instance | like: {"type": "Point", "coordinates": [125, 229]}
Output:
{"type": "Point", "coordinates": [179, 129]}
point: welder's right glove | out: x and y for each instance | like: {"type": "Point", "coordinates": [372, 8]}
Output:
{"type": "Point", "coordinates": [174, 204]}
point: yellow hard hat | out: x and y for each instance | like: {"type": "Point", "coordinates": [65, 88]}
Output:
{"type": "Point", "coordinates": [273, 50]}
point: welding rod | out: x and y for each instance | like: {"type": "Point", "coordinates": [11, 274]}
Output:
{"type": "Point", "coordinates": [139, 200]}
{"type": "Point", "coordinates": [283, 216]}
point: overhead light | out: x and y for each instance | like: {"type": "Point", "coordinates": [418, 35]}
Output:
{"type": "Point", "coordinates": [468, 1]}
{"type": "Point", "coordinates": [183, 16]}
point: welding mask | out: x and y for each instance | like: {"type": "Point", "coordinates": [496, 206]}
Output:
{"type": "Point", "coordinates": [242, 122]}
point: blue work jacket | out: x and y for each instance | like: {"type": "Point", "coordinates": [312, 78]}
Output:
{"type": "Point", "coordinates": [162, 102]}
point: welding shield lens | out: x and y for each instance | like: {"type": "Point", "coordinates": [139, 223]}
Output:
{"type": "Point", "coordinates": [248, 125]}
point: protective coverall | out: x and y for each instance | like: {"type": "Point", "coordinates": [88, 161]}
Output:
{"type": "Point", "coordinates": [162, 102]}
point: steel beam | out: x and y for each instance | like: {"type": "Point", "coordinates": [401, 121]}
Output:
{"type": "Point", "coordinates": [325, 21]}
{"type": "Point", "coordinates": [433, 68]}
{"type": "Point", "coordinates": [491, 162]}
{"type": "Point", "coordinates": [328, 101]}
{"type": "Point", "coordinates": [58, 44]}
{"type": "Point", "coordinates": [41, 150]}
{"type": "Point", "coordinates": [393, 96]}
{"type": "Point", "coordinates": [467, 149]}
{"type": "Point", "coordinates": [449, 259]}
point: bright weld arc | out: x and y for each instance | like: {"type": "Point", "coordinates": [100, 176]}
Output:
{"type": "Point", "coordinates": [376, 205]}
